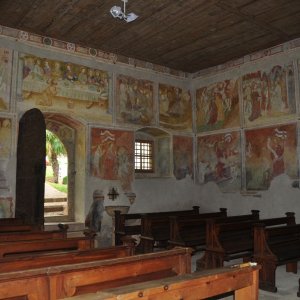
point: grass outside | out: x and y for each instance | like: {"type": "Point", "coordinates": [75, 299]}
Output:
{"type": "Point", "coordinates": [49, 178]}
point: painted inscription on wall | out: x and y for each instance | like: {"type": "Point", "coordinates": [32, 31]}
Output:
{"type": "Point", "coordinates": [67, 87]}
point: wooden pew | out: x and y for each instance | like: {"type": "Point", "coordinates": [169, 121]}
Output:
{"type": "Point", "coordinates": [23, 248]}
{"type": "Point", "coordinates": [243, 281]}
{"type": "Point", "coordinates": [20, 227]}
{"type": "Point", "coordinates": [39, 260]}
{"type": "Point", "coordinates": [34, 235]}
{"type": "Point", "coordinates": [232, 240]}
{"type": "Point", "coordinates": [138, 224]}
{"type": "Point", "coordinates": [155, 228]}
{"type": "Point", "coordinates": [190, 231]}
{"type": "Point", "coordinates": [63, 281]}
{"type": "Point", "coordinates": [126, 225]}
{"type": "Point", "coordinates": [274, 247]}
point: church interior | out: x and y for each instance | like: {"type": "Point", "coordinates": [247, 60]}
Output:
{"type": "Point", "coordinates": [180, 122]}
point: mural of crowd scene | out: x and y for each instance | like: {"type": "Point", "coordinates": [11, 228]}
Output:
{"type": "Point", "coordinates": [269, 95]}
{"type": "Point", "coordinates": [175, 108]}
{"type": "Point", "coordinates": [218, 106]}
{"type": "Point", "coordinates": [182, 156]}
{"type": "Point", "coordinates": [5, 149]}
{"type": "Point", "coordinates": [65, 86]}
{"type": "Point", "coordinates": [270, 152]}
{"type": "Point", "coordinates": [5, 76]}
{"type": "Point", "coordinates": [134, 101]}
{"type": "Point", "coordinates": [219, 160]}
{"type": "Point", "coordinates": [112, 155]}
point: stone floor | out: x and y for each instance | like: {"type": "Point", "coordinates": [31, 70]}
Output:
{"type": "Point", "coordinates": [287, 284]}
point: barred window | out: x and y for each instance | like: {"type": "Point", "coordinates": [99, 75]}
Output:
{"type": "Point", "coordinates": [143, 156]}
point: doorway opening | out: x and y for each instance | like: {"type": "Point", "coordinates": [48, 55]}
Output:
{"type": "Point", "coordinates": [56, 179]}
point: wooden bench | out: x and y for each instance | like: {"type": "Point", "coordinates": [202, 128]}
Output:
{"type": "Point", "coordinates": [63, 281]}
{"type": "Point", "coordinates": [126, 225]}
{"type": "Point", "coordinates": [132, 224]}
{"type": "Point", "coordinates": [39, 260]}
{"type": "Point", "coordinates": [190, 231]}
{"type": "Point", "coordinates": [155, 228]}
{"type": "Point", "coordinates": [34, 235]}
{"type": "Point", "coordinates": [274, 247]}
{"type": "Point", "coordinates": [20, 227]}
{"type": "Point", "coordinates": [232, 240]}
{"type": "Point", "coordinates": [243, 281]}
{"type": "Point", "coordinates": [23, 248]}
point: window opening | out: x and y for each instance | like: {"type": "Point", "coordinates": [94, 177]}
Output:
{"type": "Point", "coordinates": [143, 156]}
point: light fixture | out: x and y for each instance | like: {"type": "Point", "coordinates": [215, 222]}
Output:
{"type": "Point", "coordinates": [116, 12]}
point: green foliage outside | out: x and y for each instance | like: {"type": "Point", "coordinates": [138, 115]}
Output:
{"type": "Point", "coordinates": [60, 187]}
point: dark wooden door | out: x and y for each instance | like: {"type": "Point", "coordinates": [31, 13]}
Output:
{"type": "Point", "coordinates": [31, 166]}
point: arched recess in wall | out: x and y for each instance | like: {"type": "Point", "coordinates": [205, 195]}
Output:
{"type": "Point", "coordinates": [162, 156]}
{"type": "Point", "coordinates": [72, 134]}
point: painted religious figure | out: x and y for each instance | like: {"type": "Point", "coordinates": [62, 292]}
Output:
{"type": "Point", "coordinates": [175, 108]}
{"type": "Point", "coordinates": [219, 160]}
{"type": "Point", "coordinates": [5, 150]}
{"type": "Point", "coordinates": [218, 106]}
{"type": "Point", "coordinates": [270, 152]}
{"type": "Point", "coordinates": [269, 95]}
{"type": "Point", "coordinates": [182, 156]}
{"type": "Point", "coordinates": [5, 77]}
{"type": "Point", "coordinates": [112, 155]}
{"type": "Point", "coordinates": [134, 99]}
{"type": "Point", "coordinates": [67, 87]}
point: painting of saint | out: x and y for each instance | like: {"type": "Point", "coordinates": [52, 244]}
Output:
{"type": "Point", "coordinates": [182, 157]}
{"type": "Point", "coordinates": [6, 207]}
{"type": "Point", "coordinates": [135, 104]}
{"type": "Point", "coordinates": [112, 155]}
{"type": "Point", "coordinates": [175, 108]}
{"type": "Point", "coordinates": [67, 87]}
{"type": "Point", "coordinates": [219, 160]}
{"type": "Point", "coordinates": [269, 95]}
{"type": "Point", "coordinates": [5, 78]}
{"type": "Point", "coordinates": [270, 152]}
{"type": "Point", "coordinates": [5, 150]}
{"type": "Point", "coordinates": [218, 106]}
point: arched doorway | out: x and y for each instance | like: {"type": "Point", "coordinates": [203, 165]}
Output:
{"type": "Point", "coordinates": [72, 134]}
{"type": "Point", "coordinates": [56, 180]}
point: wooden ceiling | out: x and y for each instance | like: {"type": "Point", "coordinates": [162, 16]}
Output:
{"type": "Point", "coordinates": [186, 35]}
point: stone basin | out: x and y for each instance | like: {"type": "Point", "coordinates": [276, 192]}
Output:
{"type": "Point", "coordinates": [110, 209]}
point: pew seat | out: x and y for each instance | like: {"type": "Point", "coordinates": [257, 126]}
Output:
{"type": "Point", "coordinates": [242, 281]}
{"type": "Point", "coordinates": [62, 281]}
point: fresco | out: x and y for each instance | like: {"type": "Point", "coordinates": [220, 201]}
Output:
{"type": "Point", "coordinates": [219, 160]}
{"type": "Point", "coordinates": [134, 101]}
{"type": "Point", "coordinates": [270, 152]}
{"type": "Point", "coordinates": [112, 155]}
{"type": "Point", "coordinates": [218, 106]}
{"type": "Point", "coordinates": [175, 108]}
{"type": "Point", "coordinates": [6, 207]}
{"type": "Point", "coordinates": [182, 156]}
{"type": "Point", "coordinates": [269, 95]}
{"type": "Point", "coordinates": [5, 77]}
{"type": "Point", "coordinates": [67, 87]}
{"type": "Point", "coordinates": [5, 149]}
